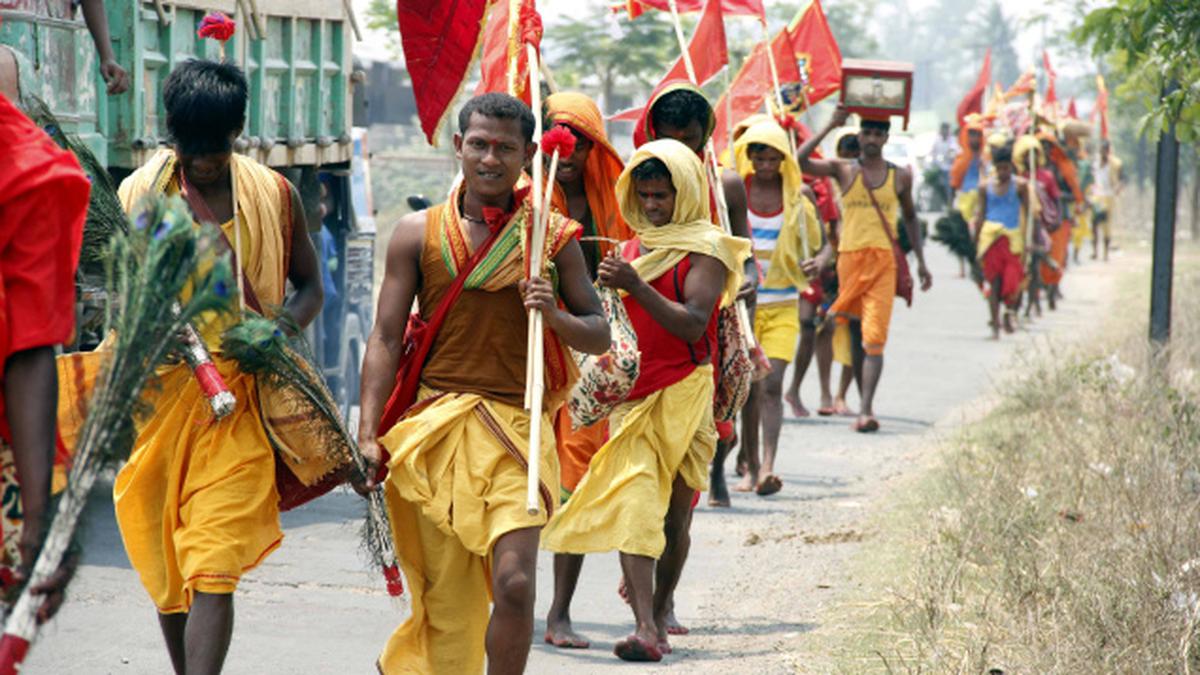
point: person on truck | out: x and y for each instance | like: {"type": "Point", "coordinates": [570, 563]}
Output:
{"type": "Point", "coordinates": [196, 503]}
{"type": "Point", "coordinates": [457, 473]}
{"type": "Point", "coordinates": [115, 77]}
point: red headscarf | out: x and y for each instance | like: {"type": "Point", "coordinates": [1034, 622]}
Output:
{"type": "Point", "coordinates": [644, 131]}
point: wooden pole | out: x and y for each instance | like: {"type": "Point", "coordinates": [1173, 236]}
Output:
{"type": "Point", "coordinates": [535, 383]}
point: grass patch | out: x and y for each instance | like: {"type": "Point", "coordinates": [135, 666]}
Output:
{"type": "Point", "coordinates": [1059, 534]}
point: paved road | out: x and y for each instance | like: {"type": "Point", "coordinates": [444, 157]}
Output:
{"type": "Point", "coordinates": [758, 577]}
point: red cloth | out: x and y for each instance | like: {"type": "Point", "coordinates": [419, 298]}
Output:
{"type": "Point", "coordinates": [707, 47]}
{"type": "Point", "coordinates": [665, 358]}
{"type": "Point", "coordinates": [43, 204]}
{"type": "Point", "coordinates": [643, 132]}
{"type": "Point", "coordinates": [498, 48]}
{"type": "Point", "coordinates": [752, 84]}
{"type": "Point", "coordinates": [1051, 95]}
{"type": "Point", "coordinates": [1002, 266]}
{"type": "Point", "coordinates": [440, 40]}
{"type": "Point", "coordinates": [816, 52]}
{"type": "Point", "coordinates": [730, 7]}
{"type": "Point", "coordinates": [973, 101]}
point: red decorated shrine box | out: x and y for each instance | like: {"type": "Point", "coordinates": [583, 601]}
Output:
{"type": "Point", "coordinates": [877, 89]}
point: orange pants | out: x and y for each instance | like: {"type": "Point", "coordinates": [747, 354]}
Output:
{"type": "Point", "coordinates": [576, 448]}
{"type": "Point", "coordinates": [1060, 241]}
{"type": "Point", "coordinates": [866, 291]}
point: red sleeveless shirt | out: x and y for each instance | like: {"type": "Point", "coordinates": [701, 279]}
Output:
{"type": "Point", "coordinates": [666, 359]}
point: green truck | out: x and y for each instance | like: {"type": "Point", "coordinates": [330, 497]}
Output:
{"type": "Point", "coordinates": [297, 58]}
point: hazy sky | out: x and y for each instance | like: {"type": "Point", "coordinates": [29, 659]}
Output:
{"type": "Point", "coordinates": [1028, 43]}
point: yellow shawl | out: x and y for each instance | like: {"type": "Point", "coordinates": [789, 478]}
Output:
{"type": "Point", "coordinates": [691, 229]}
{"type": "Point", "coordinates": [264, 205]}
{"type": "Point", "coordinates": [798, 212]}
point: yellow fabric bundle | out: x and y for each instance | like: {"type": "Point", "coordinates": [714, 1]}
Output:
{"type": "Point", "coordinates": [622, 500]}
{"type": "Point", "coordinates": [691, 229]}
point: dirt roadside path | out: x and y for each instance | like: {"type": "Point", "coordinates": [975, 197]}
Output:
{"type": "Point", "coordinates": [758, 579]}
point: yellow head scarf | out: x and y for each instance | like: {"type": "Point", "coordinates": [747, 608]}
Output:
{"type": "Point", "coordinates": [800, 237]}
{"type": "Point", "coordinates": [691, 229]}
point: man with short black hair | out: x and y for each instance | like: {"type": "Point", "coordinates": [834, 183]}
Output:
{"type": "Point", "coordinates": [196, 502]}
{"type": "Point", "coordinates": [874, 193]}
{"type": "Point", "coordinates": [457, 467]}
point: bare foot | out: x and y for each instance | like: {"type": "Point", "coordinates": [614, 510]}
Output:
{"type": "Point", "coordinates": [866, 424]}
{"type": "Point", "coordinates": [770, 485]}
{"type": "Point", "coordinates": [560, 634]}
{"type": "Point", "coordinates": [746, 484]}
{"type": "Point", "coordinates": [673, 625]}
{"type": "Point", "coordinates": [798, 409]}
{"type": "Point", "coordinates": [1008, 323]}
{"type": "Point", "coordinates": [622, 591]}
{"type": "Point", "coordinates": [718, 490]}
{"type": "Point", "coordinates": [841, 409]}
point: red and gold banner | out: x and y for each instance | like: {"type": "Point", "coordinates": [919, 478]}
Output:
{"type": "Point", "coordinates": [511, 24]}
{"type": "Point", "coordinates": [973, 101]}
{"type": "Point", "coordinates": [815, 53]}
{"type": "Point", "coordinates": [440, 40]}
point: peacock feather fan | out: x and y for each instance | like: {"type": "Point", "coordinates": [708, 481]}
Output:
{"type": "Point", "coordinates": [263, 348]}
{"type": "Point", "coordinates": [952, 231]}
{"type": "Point", "coordinates": [148, 266]}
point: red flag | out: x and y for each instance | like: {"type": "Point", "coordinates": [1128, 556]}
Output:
{"type": "Point", "coordinates": [750, 88]}
{"type": "Point", "coordinates": [1051, 94]}
{"type": "Point", "coordinates": [1102, 106]}
{"type": "Point", "coordinates": [729, 7]}
{"type": "Point", "coordinates": [440, 40]}
{"type": "Point", "coordinates": [511, 25]}
{"type": "Point", "coordinates": [707, 47]}
{"type": "Point", "coordinates": [709, 54]}
{"type": "Point", "coordinates": [816, 53]}
{"type": "Point", "coordinates": [1072, 112]}
{"type": "Point", "coordinates": [973, 101]}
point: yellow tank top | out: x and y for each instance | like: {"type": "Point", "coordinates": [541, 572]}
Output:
{"type": "Point", "coordinates": [860, 223]}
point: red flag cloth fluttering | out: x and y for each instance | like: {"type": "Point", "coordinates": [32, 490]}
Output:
{"type": "Point", "coordinates": [730, 7]}
{"type": "Point", "coordinates": [973, 101]}
{"type": "Point", "coordinates": [1072, 111]}
{"type": "Point", "coordinates": [752, 85]}
{"type": "Point", "coordinates": [1102, 106]}
{"type": "Point", "coordinates": [504, 39]}
{"type": "Point", "coordinates": [707, 47]}
{"type": "Point", "coordinates": [440, 40]}
{"type": "Point", "coordinates": [816, 53]}
{"type": "Point", "coordinates": [1051, 94]}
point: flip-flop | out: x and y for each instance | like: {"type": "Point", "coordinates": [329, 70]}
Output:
{"type": "Point", "coordinates": [633, 648]}
{"type": "Point", "coordinates": [870, 426]}
{"type": "Point", "coordinates": [678, 630]}
{"type": "Point", "coordinates": [769, 486]}
{"type": "Point", "coordinates": [828, 411]}
{"type": "Point", "coordinates": [716, 503]}
{"type": "Point", "coordinates": [567, 643]}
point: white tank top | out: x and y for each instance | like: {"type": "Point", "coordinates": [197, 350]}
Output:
{"type": "Point", "coordinates": [765, 231]}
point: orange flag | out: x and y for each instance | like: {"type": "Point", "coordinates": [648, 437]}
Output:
{"type": "Point", "coordinates": [1051, 94]}
{"type": "Point", "coordinates": [973, 101]}
{"type": "Point", "coordinates": [440, 40]}
{"type": "Point", "coordinates": [816, 52]}
{"type": "Point", "coordinates": [511, 24]}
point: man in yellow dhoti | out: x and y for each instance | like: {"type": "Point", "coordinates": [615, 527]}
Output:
{"type": "Point", "coordinates": [456, 482]}
{"type": "Point", "coordinates": [196, 503]}
{"type": "Point", "coordinates": [661, 439]}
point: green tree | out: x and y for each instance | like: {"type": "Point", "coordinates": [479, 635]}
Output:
{"type": "Point", "coordinates": [381, 16]}
{"type": "Point", "coordinates": [588, 49]}
{"type": "Point", "coordinates": [1150, 44]}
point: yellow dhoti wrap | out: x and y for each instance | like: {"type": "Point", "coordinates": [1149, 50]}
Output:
{"type": "Point", "coordinates": [196, 502]}
{"type": "Point", "coordinates": [622, 500]}
{"type": "Point", "coordinates": [456, 483]}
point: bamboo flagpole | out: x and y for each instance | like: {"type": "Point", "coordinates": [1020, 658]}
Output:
{"type": "Point", "coordinates": [535, 383]}
{"type": "Point", "coordinates": [791, 133]}
{"type": "Point", "coordinates": [714, 177]}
